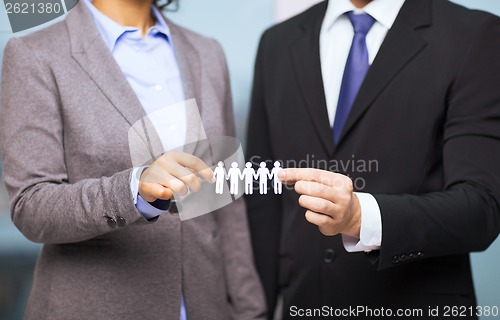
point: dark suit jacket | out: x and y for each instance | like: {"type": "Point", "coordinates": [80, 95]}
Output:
{"type": "Point", "coordinates": [66, 116]}
{"type": "Point", "coordinates": [427, 117]}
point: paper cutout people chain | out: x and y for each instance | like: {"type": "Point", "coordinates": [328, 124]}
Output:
{"type": "Point", "coordinates": [234, 175]}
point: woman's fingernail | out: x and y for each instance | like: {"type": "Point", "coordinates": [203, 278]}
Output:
{"type": "Point", "coordinates": [282, 174]}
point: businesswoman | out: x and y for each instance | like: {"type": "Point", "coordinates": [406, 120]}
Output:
{"type": "Point", "coordinates": [112, 248]}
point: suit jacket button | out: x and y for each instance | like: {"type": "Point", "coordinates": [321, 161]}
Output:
{"type": "Point", "coordinates": [395, 260]}
{"type": "Point", "coordinates": [121, 221]}
{"type": "Point", "coordinates": [420, 254]}
{"type": "Point", "coordinates": [329, 255]}
{"type": "Point", "coordinates": [111, 222]}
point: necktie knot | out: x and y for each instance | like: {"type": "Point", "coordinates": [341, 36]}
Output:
{"type": "Point", "coordinates": [362, 23]}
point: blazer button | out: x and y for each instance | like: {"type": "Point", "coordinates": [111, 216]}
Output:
{"type": "Point", "coordinates": [395, 260]}
{"type": "Point", "coordinates": [121, 222]}
{"type": "Point", "coordinates": [329, 255]}
{"type": "Point", "coordinates": [111, 222]}
{"type": "Point", "coordinates": [420, 254]}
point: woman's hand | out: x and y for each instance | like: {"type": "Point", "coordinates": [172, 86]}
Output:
{"type": "Point", "coordinates": [173, 173]}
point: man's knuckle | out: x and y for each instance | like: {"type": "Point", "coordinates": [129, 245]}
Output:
{"type": "Point", "coordinates": [324, 207]}
{"type": "Point", "coordinates": [324, 222]}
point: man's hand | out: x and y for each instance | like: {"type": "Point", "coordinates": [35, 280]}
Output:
{"type": "Point", "coordinates": [329, 199]}
{"type": "Point", "coordinates": [173, 173]}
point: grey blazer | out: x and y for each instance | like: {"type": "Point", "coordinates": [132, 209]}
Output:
{"type": "Point", "coordinates": [65, 112]}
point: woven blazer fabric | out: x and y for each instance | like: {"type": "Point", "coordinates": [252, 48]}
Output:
{"type": "Point", "coordinates": [66, 109]}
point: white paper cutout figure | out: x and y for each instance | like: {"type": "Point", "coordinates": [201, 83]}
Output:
{"type": "Point", "coordinates": [263, 174]}
{"type": "Point", "coordinates": [234, 175]}
{"type": "Point", "coordinates": [277, 184]}
{"type": "Point", "coordinates": [220, 175]}
{"type": "Point", "coordinates": [249, 175]}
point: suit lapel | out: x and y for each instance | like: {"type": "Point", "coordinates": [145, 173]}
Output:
{"type": "Point", "coordinates": [91, 53]}
{"type": "Point", "coordinates": [188, 60]}
{"type": "Point", "coordinates": [191, 72]}
{"type": "Point", "coordinates": [307, 67]}
{"type": "Point", "coordinates": [401, 45]}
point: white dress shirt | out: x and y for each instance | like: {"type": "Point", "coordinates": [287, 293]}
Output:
{"type": "Point", "coordinates": [335, 43]}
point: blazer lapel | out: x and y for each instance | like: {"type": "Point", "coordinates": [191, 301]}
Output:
{"type": "Point", "coordinates": [191, 73]}
{"type": "Point", "coordinates": [307, 67]}
{"type": "Point", "coordinates": [90, 52]}
{"type": "Point", "coordinates": [401, 45]}
{"type": "Point", "coordinates": [188, 60]}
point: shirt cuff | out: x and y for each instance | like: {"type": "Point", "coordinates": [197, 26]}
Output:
{"type": "Point", "coordinates": [371, 226]}
{"type": "Point", "coordinates": [134, 182]}
{"type": "Point", "coordinates": [146, 209]}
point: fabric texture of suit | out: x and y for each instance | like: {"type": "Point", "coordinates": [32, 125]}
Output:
{"type": "Point", "coordinates": [66, 110]}
{"type": "Point", "coordinates": [427, 116]}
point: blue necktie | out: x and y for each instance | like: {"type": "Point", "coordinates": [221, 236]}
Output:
{"type": "Point", "coordinates": [356, 67]}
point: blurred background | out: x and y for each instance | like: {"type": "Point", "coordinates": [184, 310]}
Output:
{"type": "Point", "coordinates": [237, 25]}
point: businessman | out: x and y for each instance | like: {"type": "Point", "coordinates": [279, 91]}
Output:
{"type": "Point", "coordinates": [390, 110]}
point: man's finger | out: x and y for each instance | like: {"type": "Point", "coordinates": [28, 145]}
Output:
{"type": "Point", "coordinates": [325, 223]}
{"type": "Point", "coordinates": [292, 175]}
{"type": "Point", "coordinates": [317, 205]}
{"type": "Point", "coordinates": [319, 219]}
{"type": "Point", "coordinates": [315, 189]}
